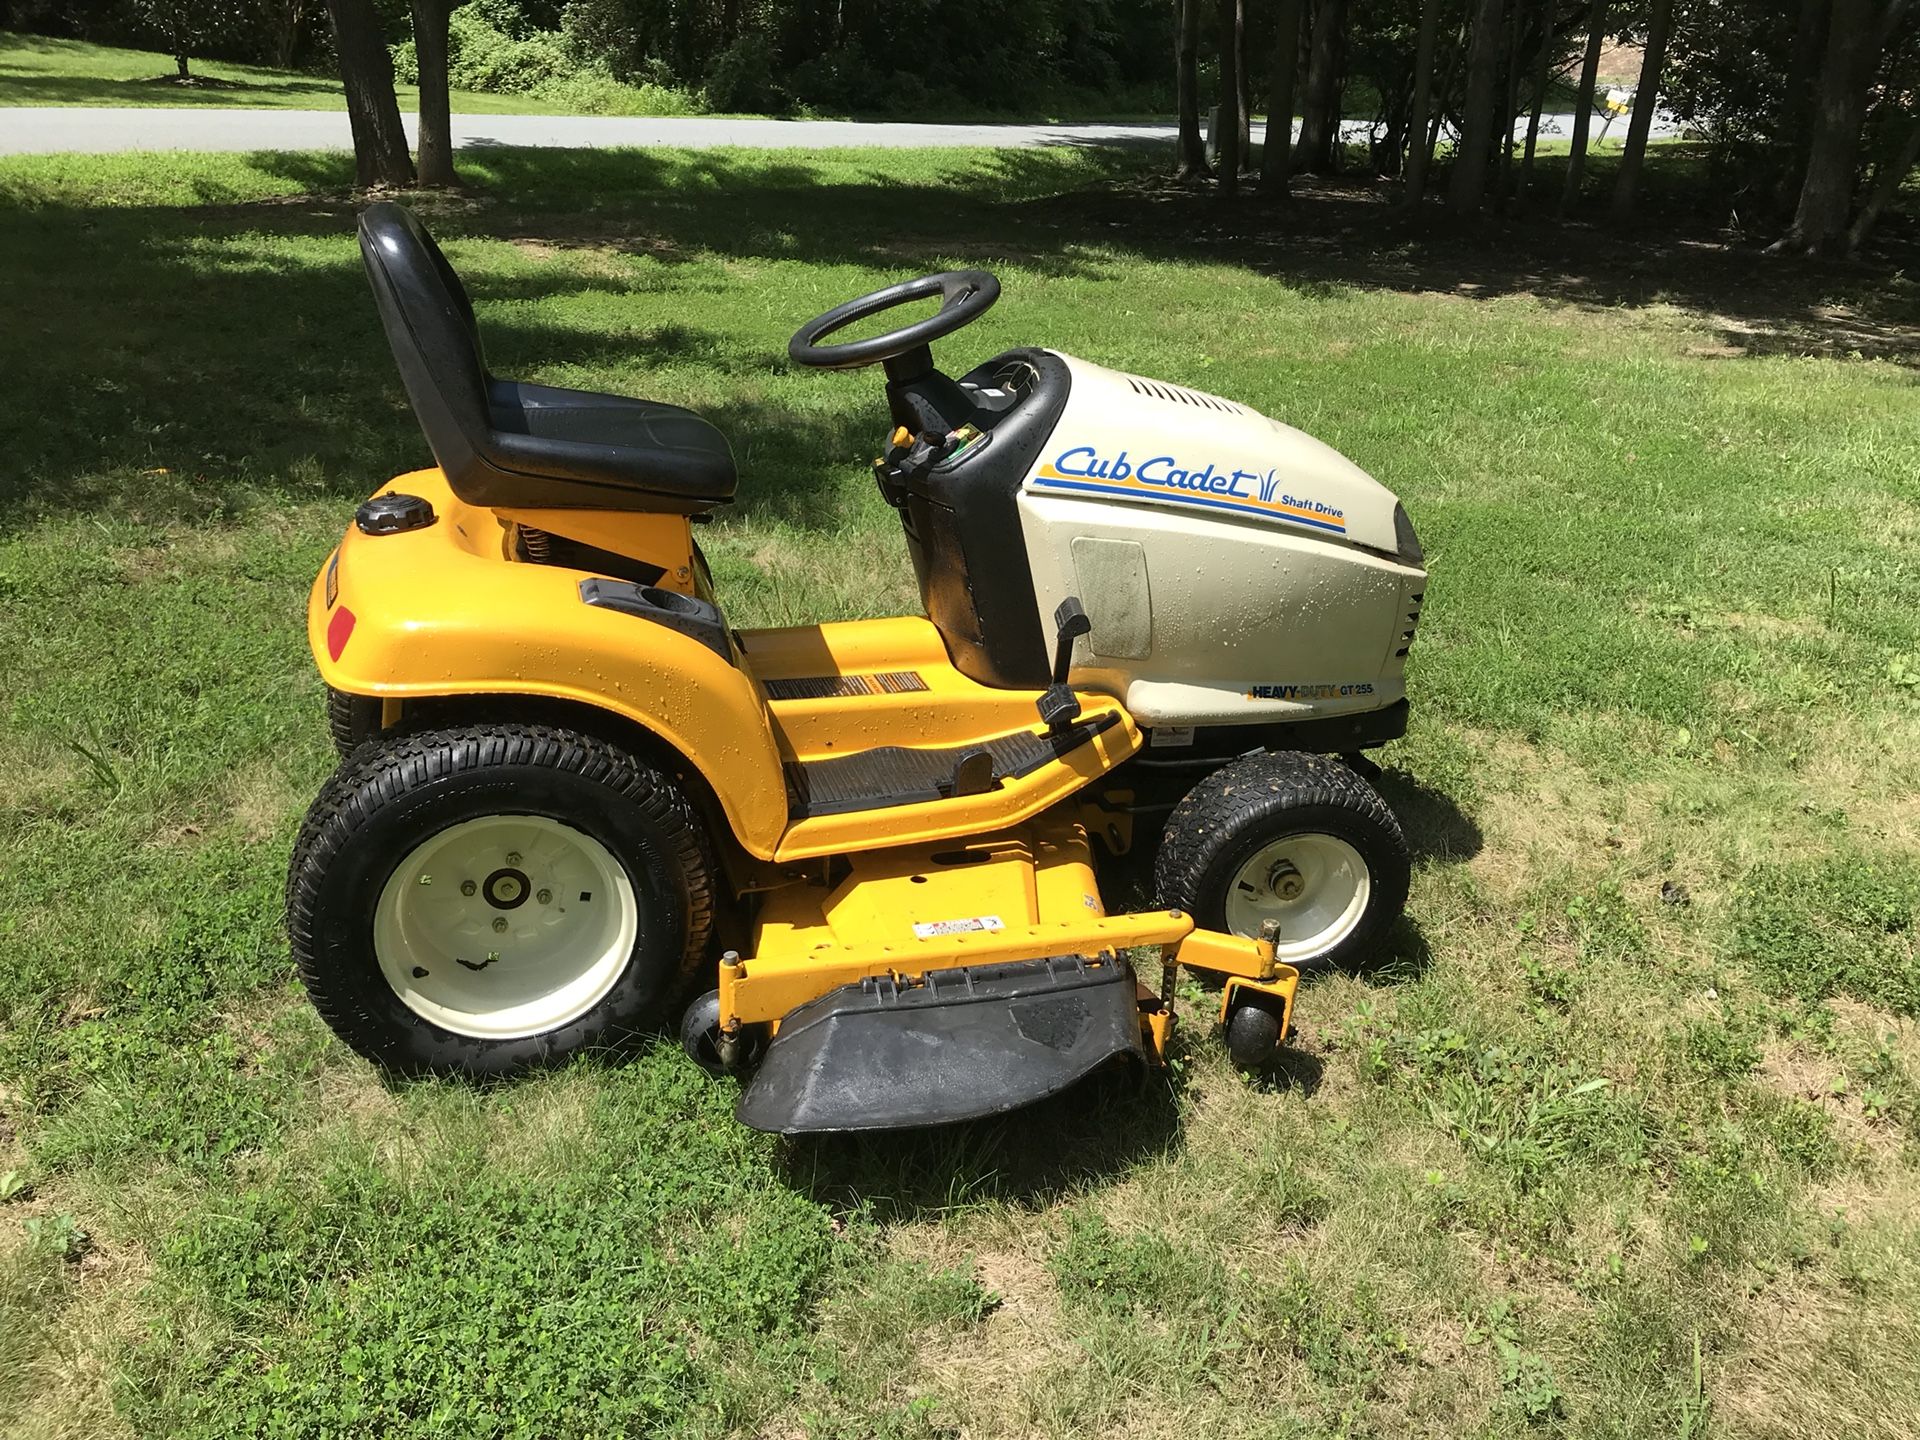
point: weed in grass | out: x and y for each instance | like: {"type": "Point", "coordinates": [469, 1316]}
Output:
{"type": "Point", "coordinates": [1843, 924]}
{"type": "Point", "coordinates": [1527, 1381]}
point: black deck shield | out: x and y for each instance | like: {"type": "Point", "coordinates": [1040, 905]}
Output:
{"type": "Point", "coordinates": [968, 1042]}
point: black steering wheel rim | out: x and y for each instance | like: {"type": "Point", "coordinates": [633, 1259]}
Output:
{"type": "Point", "coordinates": [965, 295]}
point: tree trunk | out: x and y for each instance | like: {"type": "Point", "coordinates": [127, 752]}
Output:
{"type": "Point", "coordinates": [1245, 111]}
{"type": "Point", "coordinates": [1456, 53]}
{"type": "Point", "coordinates": [1542, 67]}
{"type": "Point", "coordinates": [1839, 107]}
{"type": "Point", "coordinates": [1796, 98]}
{"type": "Point", "coordinates": [1510, 106]}
{"type": "Point", "coordinates": [1886, 185]}
{"type": "Point", "coordinates": [180, 63]}
{"type": "Point", "coordinates": [1227, 132]}
{"type": "Point", "coordinates": [1421, 155]}
{"type": "Point", "coordinates": [1467, 188]}
{"type": "Point", "coordinates": [435, 109]}
{"type": "Point", "coordinates": [1583, 104]}
{"type": "Point", "coordinates": [1646, 98]}
{"type": "Point", "coordinates": [379, 141]}
{"type": "Point", "coordinates": [1276, 156]}
{"type": "Point", "coordinates": [1320, 115]}
{"type": "Point", "coordinates": [1190, 157]}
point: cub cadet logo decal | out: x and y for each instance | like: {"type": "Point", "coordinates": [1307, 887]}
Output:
{"type": "Point", "coordinates": [1306, 692]}
{"type": "Point", "coordinates": [1084, 469]}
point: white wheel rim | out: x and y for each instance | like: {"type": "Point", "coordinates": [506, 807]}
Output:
{"type": "Point", "coordinates": [505, 927]}
{"type": "Point", "coordinates": [1315, 886]}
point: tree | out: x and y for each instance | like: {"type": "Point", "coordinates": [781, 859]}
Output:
{"type": "Point", "coordinates": [1421, 155]}
{"type": "Point", "coordinates": [1190, 161]}
{"type": "Point", "coordinates": [186, 26]}
{"type": "Point", "coordinates": [1510, 97]}
{"type": "Point", "coordinates": [1583, 103]}
{"type": "Point", "coordinates": [1467, 188]}
{"type": "Point", "coordinates": [1543, 58]}
{"type": "Point", "coordinates": [1839, 111]}
{"type": "Point", "coordinates": [430, 19]}
{"type": "Point", "coordinates": [366, 70]}
{"type": "Point", "coordinates": [1885, 185]}
{"type": "Point", "coordinates": [1646, 98]}
{"type": "Point", "coordinates": [1320, 115]}
{"type": "Point", "coordinates": [1227, 140]}
{"type": "Point", "coordinates": [1276, 156]}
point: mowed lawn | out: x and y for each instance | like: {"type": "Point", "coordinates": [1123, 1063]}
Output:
{"type": "Point", "coordinates": [1617, 1141]}
{"type": "Point", "coordinates": [46, 70]}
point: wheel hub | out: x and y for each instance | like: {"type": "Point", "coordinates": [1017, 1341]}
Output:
{"type": "Point", "coordinates": [1314, 887]}
{"type": "Point", "coordinates": [532, 924]}
{"type": "Point", "coordinates": [1285, 882]}
{"type": "Point", "coordinates": [505, 889]}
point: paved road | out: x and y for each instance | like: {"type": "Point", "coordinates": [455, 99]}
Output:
{"type": "Point", "coordinates": [33, 130]}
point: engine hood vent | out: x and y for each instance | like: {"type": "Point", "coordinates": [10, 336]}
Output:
{"type": "Point", "coordinates": [1159, 390]}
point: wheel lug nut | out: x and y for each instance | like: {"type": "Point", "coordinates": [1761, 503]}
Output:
{"type": "Point", "coordinates": [513, 857]}
{"type": "Point", "coordinates": [545, 897]}
{"type": "Point", "coordinates": [500, 923]}
{"type": "Point", "coordinates": [467, 887]}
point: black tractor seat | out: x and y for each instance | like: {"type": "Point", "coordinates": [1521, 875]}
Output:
{"type": "Point", "coordinates": [504, 443]}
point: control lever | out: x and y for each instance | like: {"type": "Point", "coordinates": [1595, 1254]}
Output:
{"type": "Point", "coordinates": [1059, 706]}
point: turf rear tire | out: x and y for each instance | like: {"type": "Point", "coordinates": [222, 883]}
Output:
{"type": "Point", "coordinates": [1284, 821]}
{"type": "Point", "coordinates": [352, 720]}
{"type": "Point", "coordinates": [614, 898]}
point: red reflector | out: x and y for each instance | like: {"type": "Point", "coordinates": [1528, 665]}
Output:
{"type": "Point", "coordinates": [338, 629]}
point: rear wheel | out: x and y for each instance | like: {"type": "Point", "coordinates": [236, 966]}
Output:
{"type": "Point", "coordinates": [352, 720]}
{"type": "Point", "coordinates": [1298, 841]}
{"type": "Point", "coordinates": [485, 899]}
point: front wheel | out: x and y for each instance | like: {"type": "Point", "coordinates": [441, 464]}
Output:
{"type": "Point", "coordinates": [1293, 840]}
{"type": "Point", "coordinates": [486, 899]}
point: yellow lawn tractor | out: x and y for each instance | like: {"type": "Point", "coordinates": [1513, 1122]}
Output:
{"type": "Point", "coordinates": [572, 795]}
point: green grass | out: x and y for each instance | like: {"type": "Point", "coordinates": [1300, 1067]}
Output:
{"type": "Point", "coordinates": [1617, 1142]}
{"type": "Point", "coordinates": [41, 70]}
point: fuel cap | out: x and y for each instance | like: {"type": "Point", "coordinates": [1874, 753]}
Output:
{"type": "Point", "coordinates": [391, 514]}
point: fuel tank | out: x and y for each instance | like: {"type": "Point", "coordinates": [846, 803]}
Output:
{"type": "Point", "coordinates": [1236, 570]}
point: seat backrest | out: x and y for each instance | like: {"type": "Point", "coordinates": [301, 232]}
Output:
{"type": "Point", "coordinates": [429, 323]}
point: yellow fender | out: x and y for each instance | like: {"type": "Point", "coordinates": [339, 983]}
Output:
{"type": "Point", "coordinates": [433, 612]}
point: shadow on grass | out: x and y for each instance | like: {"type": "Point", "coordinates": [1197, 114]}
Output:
{"type": "Point", "coordinates": [1437, 829]}
{"type": "Point", "coordinates": [38, 89]}
{"type": "Point", "coordinates": [226, 353]}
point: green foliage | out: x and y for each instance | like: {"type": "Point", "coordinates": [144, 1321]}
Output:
{"type": "Point", "coordinates": [1518, 1105]}
{"type": "Point", "coordinates": [1843, 924]}
{"type": "Point", "coordinates": [779, 55]}
{"type": "Point", "coordinates": [1526, 1380]}
{"type": "Point", "coordinates": [610, 1296]}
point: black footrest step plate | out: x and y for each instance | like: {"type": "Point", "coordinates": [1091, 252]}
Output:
{"type": "Point", "coordinates": [896, 775]}
{"type": "Point", "coordinates": [972, 1041]}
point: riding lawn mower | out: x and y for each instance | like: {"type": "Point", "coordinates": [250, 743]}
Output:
{"type": "Point", "coordinates": [866, 857]}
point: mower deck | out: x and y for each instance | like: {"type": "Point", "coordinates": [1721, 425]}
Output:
{"type": "Point", "coordinates": [967, 1043]}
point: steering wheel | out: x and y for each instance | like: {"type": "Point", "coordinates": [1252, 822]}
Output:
{"type": "Point", "coordinates": [965, 295]}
